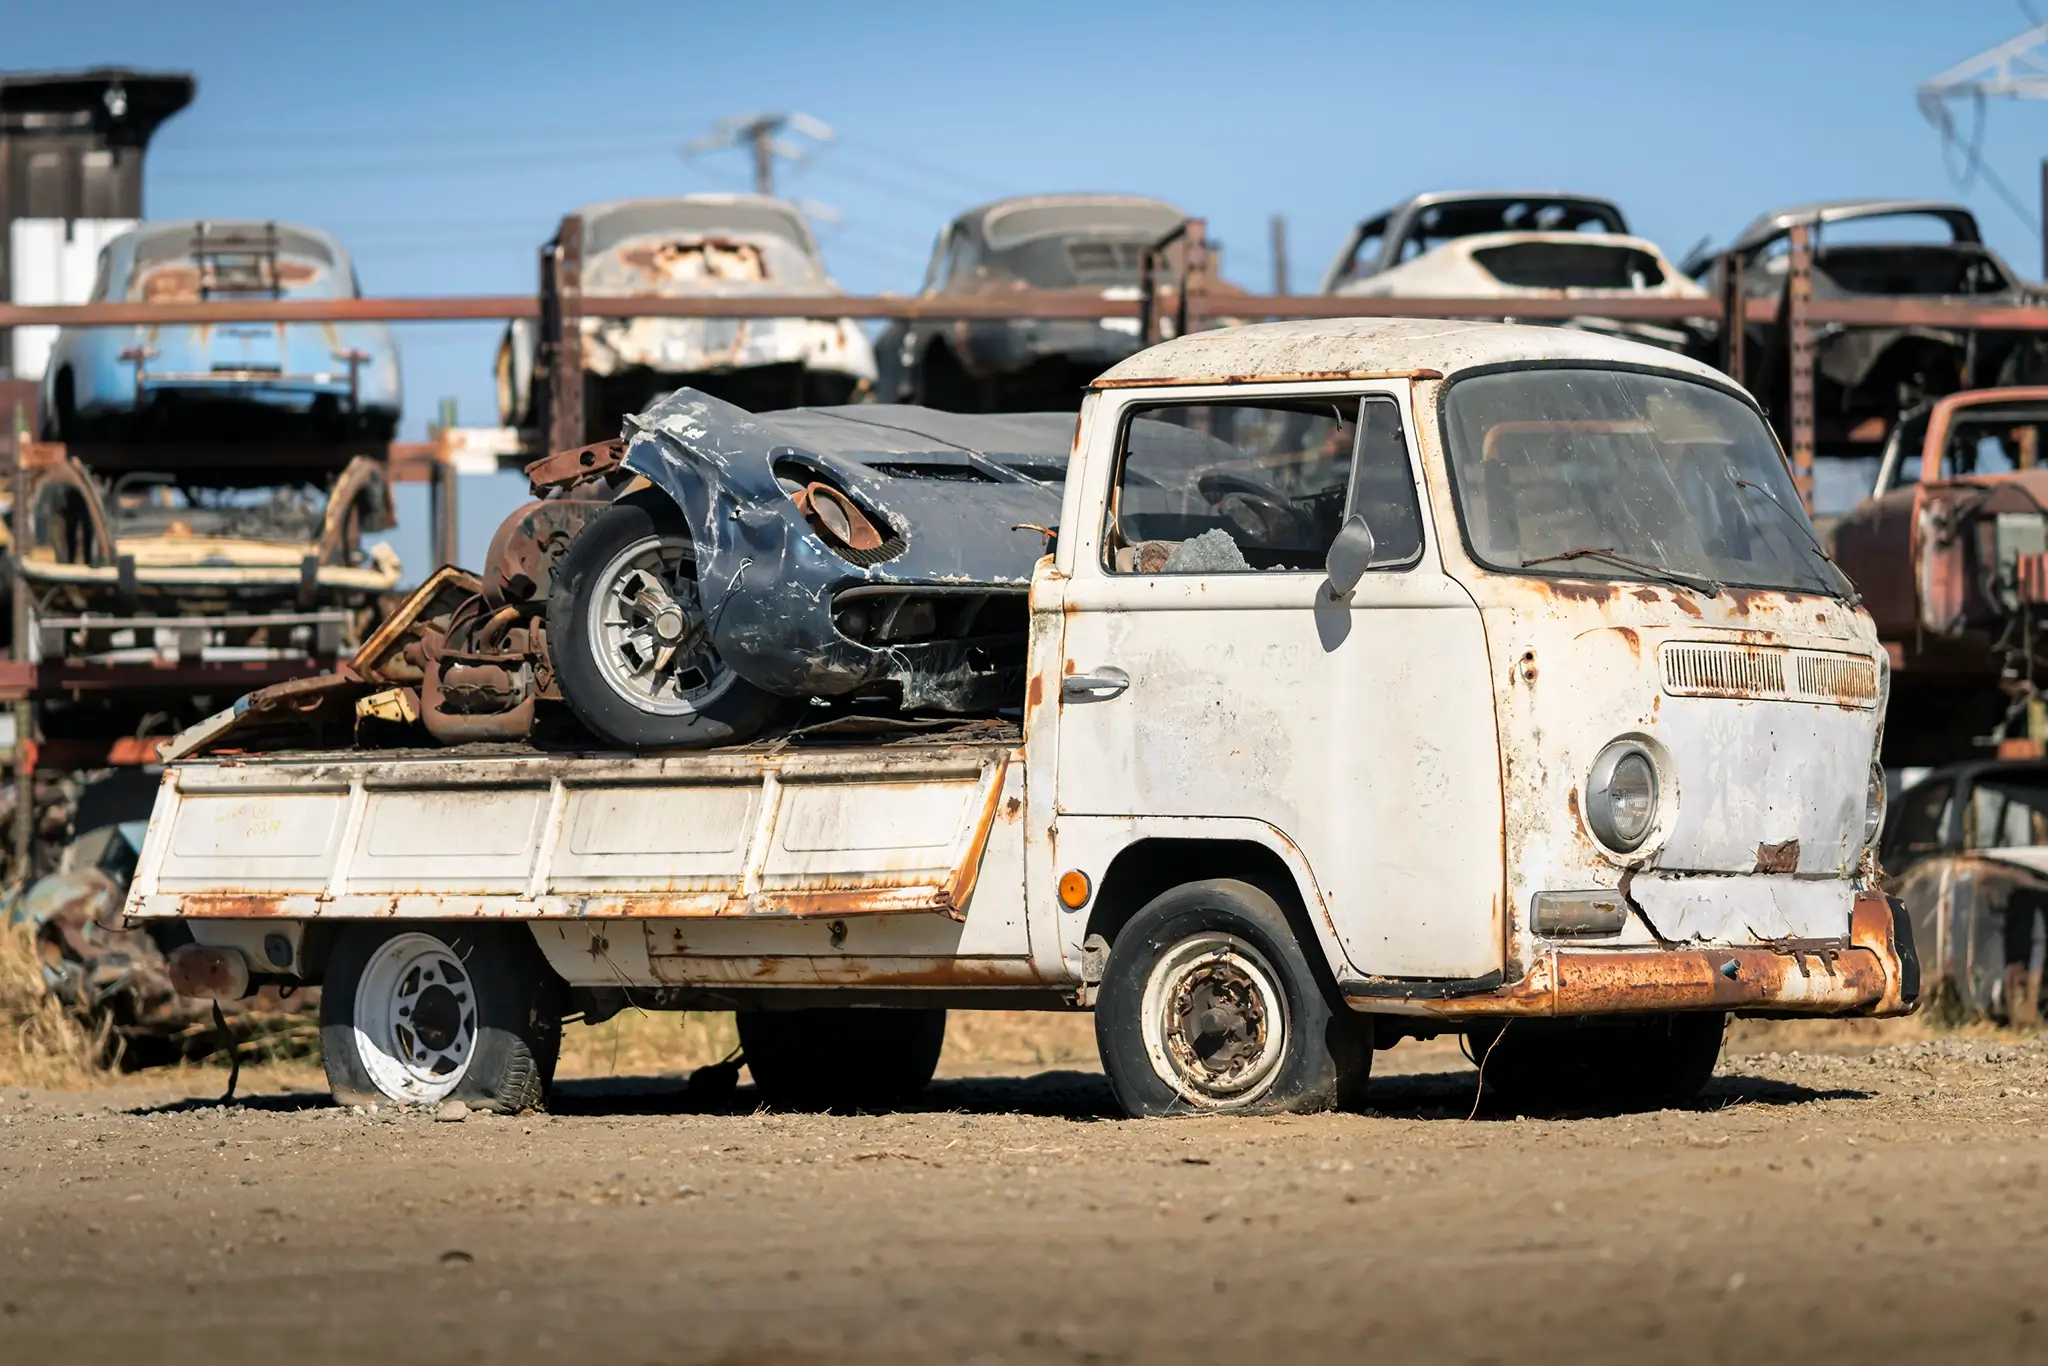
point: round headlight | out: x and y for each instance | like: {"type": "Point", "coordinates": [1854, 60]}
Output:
{"type": "Point", "coordinates": [1621, 797]}
{"type": "Point", "coordinates": [1873, 807]}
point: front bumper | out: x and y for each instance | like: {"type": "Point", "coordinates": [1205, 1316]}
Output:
{"type": "Point", "coordinates": [1873, 972]}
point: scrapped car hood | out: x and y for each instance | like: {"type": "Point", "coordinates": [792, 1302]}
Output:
{"type": "Point", "coordinates": [957, 497]}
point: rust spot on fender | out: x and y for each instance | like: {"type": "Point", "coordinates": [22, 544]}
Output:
{"type": "Point", "coordinates": [1782, 857]}
{"type": "Point", "coordinates": [1631, 639]}
{"type": "Point", "coordinates": [1034, 693]}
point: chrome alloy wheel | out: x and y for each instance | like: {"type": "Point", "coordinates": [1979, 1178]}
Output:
{"type": "Point", "coordinates": [415, 1019]}
{"type": "Point", "coordinates": [648, 633]}
{"type": "Point", "coordinates": [1215, 1020]}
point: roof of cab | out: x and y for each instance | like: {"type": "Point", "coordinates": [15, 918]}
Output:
{"type": "Point", "coordinates": [1376, 348]}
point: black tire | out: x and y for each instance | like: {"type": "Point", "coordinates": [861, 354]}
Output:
{"type": "Point", "coordinates": [737, 713]}
{"type": "Point", "coordinates": [507, 1005]}
{"type": "Point", "coordinates": [1226, 943]}
{"type": "Point", "coordinates": [841, 1057]}
{"type": "Point", "coordinates": [1644, 1063]}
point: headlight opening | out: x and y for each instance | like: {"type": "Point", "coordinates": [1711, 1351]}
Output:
{"type": "Point", "coordinates": [1622, 796]}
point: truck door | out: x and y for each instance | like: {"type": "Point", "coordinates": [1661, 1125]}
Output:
{"type": "Point", "coordinates": [1213, 673]}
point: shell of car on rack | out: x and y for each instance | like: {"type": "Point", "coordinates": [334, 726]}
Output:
{"type": "Point", "coordinates": [689, 246]}
{"type": "Point", "coordinates": [183, 382]}
{"type": "Point", "coordinates": [1509, 245]}
{"type": "Point", "coordinates": [1030, 242]}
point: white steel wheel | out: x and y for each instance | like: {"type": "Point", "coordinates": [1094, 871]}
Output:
{"type": "Point", "coordinates": [648, 635]}
{"type": "Point", "coordinates": [1215, 1020]}
{"type": "Point", "coordinates": [416, 1019]}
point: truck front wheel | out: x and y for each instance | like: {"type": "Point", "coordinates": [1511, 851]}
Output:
{"type": "Point", "coordinates": [1209, 1004]}
{"type": "Point", "coordinates": [437, 1013]}
{"type": "Point", "coordinates": [1640, 1063]}
{"type": "Point", "coordinates": [841, 1057]}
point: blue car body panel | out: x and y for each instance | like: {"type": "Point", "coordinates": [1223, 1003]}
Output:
{"type": "Point", "coordinates": [229, 379]}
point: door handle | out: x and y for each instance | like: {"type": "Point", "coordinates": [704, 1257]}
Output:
{"type": "Point", "coordinates": [1105, 683]}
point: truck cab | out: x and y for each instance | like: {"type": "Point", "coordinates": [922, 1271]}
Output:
{"type": "Point", "coordinates": [1384, 678]}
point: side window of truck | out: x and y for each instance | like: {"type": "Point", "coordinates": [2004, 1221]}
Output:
{"type": "Point", "coordinates": [1220, 488]}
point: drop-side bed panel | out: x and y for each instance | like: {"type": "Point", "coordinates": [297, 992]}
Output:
{"type": "Point", "coordinates": [732, 834]}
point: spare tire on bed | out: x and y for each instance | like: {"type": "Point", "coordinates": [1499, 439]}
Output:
{"type": "Point", "coordinates": [629, 642]}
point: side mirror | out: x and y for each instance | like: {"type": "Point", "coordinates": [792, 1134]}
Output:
{"type": "Point", "coordinates": [1350, 555]}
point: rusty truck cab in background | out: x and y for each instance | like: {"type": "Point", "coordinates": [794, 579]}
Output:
{"type": "Point", "coordinates": [1384, 678]}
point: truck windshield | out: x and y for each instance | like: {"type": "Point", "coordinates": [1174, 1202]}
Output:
{"type": "Point", "coordinates": [1623, 475]}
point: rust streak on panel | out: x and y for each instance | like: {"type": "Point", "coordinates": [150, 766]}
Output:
{"type": "Point", "coordinates": [953, 896]}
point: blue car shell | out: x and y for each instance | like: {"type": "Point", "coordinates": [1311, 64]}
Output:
{"type": "Point", "coordinates": [213, 382]}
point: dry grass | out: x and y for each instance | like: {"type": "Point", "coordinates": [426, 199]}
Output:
{"type": "Point", "coordinates": [40, 1045]}
{"type": "Point", "coordinates": [641, 1043]}
{"type": "Point", "coordinates": [651, 1043]}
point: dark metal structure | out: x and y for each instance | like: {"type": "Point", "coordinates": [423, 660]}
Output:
{"type": "Point", "coordinates": [71, 146]}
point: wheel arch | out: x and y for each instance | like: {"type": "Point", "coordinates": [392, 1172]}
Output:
{"type": "Point", "coordinates": [1150, 866]}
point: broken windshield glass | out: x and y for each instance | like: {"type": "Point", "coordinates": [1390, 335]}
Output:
{"type": "Point", "coordinates": [1650, 469]}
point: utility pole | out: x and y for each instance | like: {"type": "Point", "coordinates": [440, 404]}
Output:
{"type": "Point", "coordinates": [1279, 226]}
{"type": "Point", "coordinates": [2015, 69]}
{"type": "Point", "coordinates": [761, 135]}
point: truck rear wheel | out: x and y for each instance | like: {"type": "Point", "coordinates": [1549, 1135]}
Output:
{"type": "Point", "coordinates": [1643, 1063]}
{"type": "Point", "coordinates": [629, 642]}
{"type": "Point", "coordinates": [416, 1016]}
{"type": "Point", "coordinates": [841, 1057]}
{"type": "Point", "coordinates": [1209, 1004]}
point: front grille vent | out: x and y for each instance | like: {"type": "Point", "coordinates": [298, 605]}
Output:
{"type": "Point", "coordinates": [1767, 674]}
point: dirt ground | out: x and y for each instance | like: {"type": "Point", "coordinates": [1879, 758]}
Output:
{"type": "Point", "coordinates": [1868, 1195]}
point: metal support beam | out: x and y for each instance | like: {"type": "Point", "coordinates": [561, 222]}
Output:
{"type": "Point", "coordinates": [566, 421]}
{"type": "Point", "coordinates": [1798, 296]}
{"type": "Point", "coordinates": [445, 502]}
{"type": "Point", "coordinates": [1734, 326]}
{"type": "Point", "coordinates": [24, 712]}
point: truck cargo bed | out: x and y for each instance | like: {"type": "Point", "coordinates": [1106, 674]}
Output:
{"type": "Point", "coordinates": [773, 831]}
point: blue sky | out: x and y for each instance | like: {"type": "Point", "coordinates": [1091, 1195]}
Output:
{"type": "Point", "coordinates": [442, 141]}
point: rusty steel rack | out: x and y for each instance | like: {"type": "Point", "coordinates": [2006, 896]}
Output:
{"type": "Point", "coordinates": [1189, 295]}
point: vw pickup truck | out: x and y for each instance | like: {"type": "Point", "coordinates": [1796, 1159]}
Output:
{"type": "Point", "coordinates": [1385, 679]}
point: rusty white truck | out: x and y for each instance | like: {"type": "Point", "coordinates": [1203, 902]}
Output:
{"type": "Point", "coordinates": [1385, 678]}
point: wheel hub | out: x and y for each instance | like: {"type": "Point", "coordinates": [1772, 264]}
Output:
{"type": "Point", "coordinates": [1219, 1023]}
{"type": "Point", "coordinates": [437, 1017]}
{"type": "Point", "coordinates": [647, 631]}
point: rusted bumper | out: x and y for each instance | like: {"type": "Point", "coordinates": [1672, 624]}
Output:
{"type": "Point", "coordinates": [1872, 972]}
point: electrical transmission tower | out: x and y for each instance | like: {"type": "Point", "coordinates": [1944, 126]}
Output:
{"type": "Point", "coordinates": [762, 134]}
{"type": "Point", "coordinates": [2015, 69]}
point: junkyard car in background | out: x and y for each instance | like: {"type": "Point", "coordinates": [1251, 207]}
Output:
{"type": "Point", "coordinates": [223, 381]}
{"type": "Point", "coordinates": [1966, 848]}
{"type": "Point", "coordinates": [218, 563]}
{"type": "Point", "coordinates": [1078, 241]}
{"type": "Point", "coordinates": [1948, 552]}
{"type": "Point", "coordinates": [1507, 245]}
{"type": "Point", "coordinates": [1864, 377]}
{"type": "Point", "coordinates": [694, 246]}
